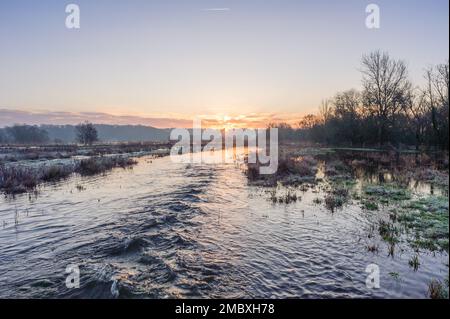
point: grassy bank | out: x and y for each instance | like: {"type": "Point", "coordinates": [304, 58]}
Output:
{"type": "Point", "coordinates": [23, 168]}
{"type": "Point", "coordinates": [17, 153]}
{"type": "Point", "coordinates": [19, 179]}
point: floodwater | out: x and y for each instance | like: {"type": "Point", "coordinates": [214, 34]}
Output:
{"type": "Point", "coordinates": [174, 230]}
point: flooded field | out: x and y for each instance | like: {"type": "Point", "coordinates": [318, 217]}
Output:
{"type": "Point", "coordinates": [170, 230]}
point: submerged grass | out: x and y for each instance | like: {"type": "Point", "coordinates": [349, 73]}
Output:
{"type": "Point", "coordinates": [414, 262]}
{"type": "Point", "coordinates": [386, 193]}
{"type": "Point", "coordinates": [437, 290]}
{"type": "Point", "coordinates": [289, 197]}
{"type": "Point", "coordinates": [370, 205]}
{"type": "Point", "coordinates": [388, 232]}
{"type": "Point", "coordinates": [379, 181]}
{"type": "Point", "coordinates": [96, 165]}
{"type": "Point", "coordinates": [333, 202]}
{"type": "Point", "coordinates": [427, 220]}
{"type": "Point", "coordinates": [338, 194]}
{"type": "Point", "coordinates": [292, 171]}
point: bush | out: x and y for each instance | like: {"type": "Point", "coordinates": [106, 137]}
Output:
{"type": "Point", "coordinates": [17, 180]}
{"type": "Point", "coordinates": [55, 172]}
{"type": "Point", "coordinates": [96, 165]}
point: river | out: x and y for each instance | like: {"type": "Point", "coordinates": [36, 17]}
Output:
{"type": "Point", "coordinates": [172, 230]}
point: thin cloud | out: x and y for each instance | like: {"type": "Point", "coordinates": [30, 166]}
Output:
{"type": "Point", "coordinates": [10, 117]}
{"type": "Point", "coordinates": [216, 9]}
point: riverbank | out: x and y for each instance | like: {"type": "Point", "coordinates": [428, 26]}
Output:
{"type": "Point", "coordinates": [23, 169]}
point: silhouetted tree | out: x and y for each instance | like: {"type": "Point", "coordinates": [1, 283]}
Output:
{"type": "Point", "coordinates": [308, 121]}
{"type": "Point", "coordinates": [387, 111]}
{"type": "Point", "coordinates": [436, 93]}
{"type": "Point", "coordinates": [325, 111]}
{"type": "Point", "coordinates": [416, 112]}
{"type": "Point", "coordinates": [285, 131]}
{"type": "Point", "coordinates": [385, 86]}
{"type": "Point", "coordinates": [86, 133]}
{"type": "Point", "coordinates": [348, 116]}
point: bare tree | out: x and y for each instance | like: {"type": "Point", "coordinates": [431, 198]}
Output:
{"type": "Point", "coordinates": [325, 111]}
{"type": "Point", "coordinates": [436, 93]}
{"type": "Point", "coordinates": [385, 83]}
{"type": "Point", "coordinates": [347, 104]}
{"type": "Point", "coordinates": [86, 133]}
{"type": "Point", "coordinates": [308, 121]}
{"type": "Point", "coordinates": [416, 110]}
{"type": "Point", "coordinates": [348, 111]}
{"type": "Point", "coordinates": [388, 110]}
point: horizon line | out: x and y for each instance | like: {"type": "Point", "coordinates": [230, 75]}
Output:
{"type": "Point", "coordinates": [9, 117]}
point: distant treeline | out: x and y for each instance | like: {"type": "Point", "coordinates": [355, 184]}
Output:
{"type": "Point", "coordinates": [27, 134]}
{"type": "Point", "coordinates": [388, 110]}
{"type": "Point", "coordinates": [23, 134]}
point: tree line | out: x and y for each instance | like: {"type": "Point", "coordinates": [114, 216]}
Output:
{"type": "Point", "coordinates": [67, 134]}
{"type": "Point", "coordinates": [23, 134]}
{"type": "Point", "coordinates": [388, 110]}
{"type": "Point", "coordinates": [86, 134]}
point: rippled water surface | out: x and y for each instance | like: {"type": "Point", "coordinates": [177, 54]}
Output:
{"type": "Point", "coordinates": [167, 230]}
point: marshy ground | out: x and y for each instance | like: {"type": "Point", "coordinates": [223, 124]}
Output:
{"type": "Point", "coordinates": [407, 193]}
{"type": "Point", "coordinates": [23, 169]}
{"type": "Point", "coordinates": [169, 230]}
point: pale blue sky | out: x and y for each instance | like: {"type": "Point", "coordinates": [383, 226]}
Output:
{"type": "Point", "coordinates": [174, 58]}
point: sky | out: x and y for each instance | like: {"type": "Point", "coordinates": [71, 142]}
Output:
{"type": "Point", "coordinates": [164, 62]}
